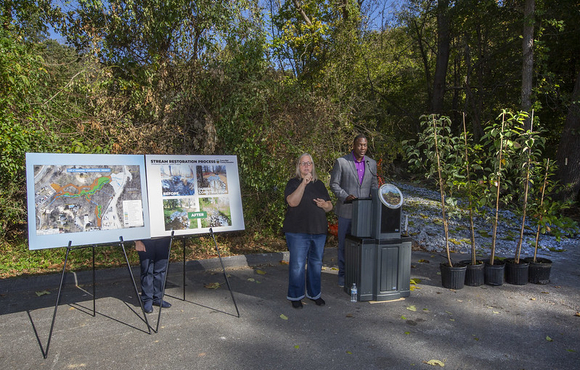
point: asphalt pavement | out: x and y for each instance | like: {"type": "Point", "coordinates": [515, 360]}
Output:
{"type": "Point", "coordinates": [487, 327]}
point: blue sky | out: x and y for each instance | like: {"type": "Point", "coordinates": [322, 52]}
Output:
{"type": "Point", "coordinates": [381, 13]}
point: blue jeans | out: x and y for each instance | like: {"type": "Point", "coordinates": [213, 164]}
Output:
{"type": "Point", "coordinates": [305, 248]}
{"type": "Point", "coordinates": [344, 227]}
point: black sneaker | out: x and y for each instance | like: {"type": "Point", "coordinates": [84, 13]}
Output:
{"type": "Point", "coordinates": [319, 301]}
{"type": "Point", "coordinates": [297, 304]}
{"type": "Point", "coordinates": [148, 307]}
{"type": "Point", "coordinates": [163, 304]}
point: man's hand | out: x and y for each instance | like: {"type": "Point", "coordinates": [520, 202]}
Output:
{"type": "Point", "coordinates": [140, 246]}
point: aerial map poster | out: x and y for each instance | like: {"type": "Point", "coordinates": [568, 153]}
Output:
{"type": "Point", "coordinates": [85, 199]}
{"type": "Point", "coordinates": [190, 194]}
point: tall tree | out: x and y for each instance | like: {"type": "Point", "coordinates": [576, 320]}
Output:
{"type": "Point", "coordinates": [569, 148]}
{"type": "Point", "coordinates": [528, 58]}
{"type": "Point", "coordinates": [442, 61]}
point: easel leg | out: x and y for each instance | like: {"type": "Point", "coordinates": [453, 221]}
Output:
{"type": "Point", "coordinates": [164, 282]}
{"type": "Point", "coordinates": [184, 269]}
{"type": "Point", "coordinates": [45, 353]}
{"type": "Point", "coordinates": [224, 270]}
{"type": "Point", "coordinates": [94, 288]}
{"type": "Point", "coordinates": [134, 284]}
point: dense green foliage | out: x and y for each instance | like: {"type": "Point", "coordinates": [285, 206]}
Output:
{"type": "Point", "coordinates": [266, 81]}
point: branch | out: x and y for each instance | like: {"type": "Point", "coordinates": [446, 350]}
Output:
{"type": "Point", "coordinates": [302, 13]}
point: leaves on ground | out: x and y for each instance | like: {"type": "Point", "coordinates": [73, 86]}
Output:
{"type": "Point", "coordinates": [296, 346]}
{"type": "Point", "coordinates": [423, 261]}
{"type": "Point", "coordinates": [403, 317]}
{"type": "Point", "coordinates": [212, 285]}
{"type": "Point", "coordinates": [413, 284]}
{"type": "Point", "coordinates": [549, 339]}
{"type": "Point", "coordinates": [434, 363]}
{"type": "Point", "coordinates": [260, 272]}
{"type": "Point", "coordinates": [283, 317]}
{"type": "Point", "coordinates": [283, 262]}
{"type": "Point", "coordinates": [412, 308]}
{"type": "Point", "coordinates": [41, 293]}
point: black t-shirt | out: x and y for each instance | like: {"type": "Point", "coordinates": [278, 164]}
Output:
{"type": "Point", "coordinates": [307, 217]}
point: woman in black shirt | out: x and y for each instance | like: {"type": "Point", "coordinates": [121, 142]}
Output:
{"type": "Point", "coordinates": [305, 227]}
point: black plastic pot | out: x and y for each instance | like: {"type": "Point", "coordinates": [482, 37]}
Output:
{"type": "Point", "coordinates": [474, 274]}
{"type": "Point", "coordinates": [452, 277]}
{"type": "Point", "coordinates": [516, 273]}
{"type": "Point", "coordinates": [494, 274]}
{"type": "Point", "coordinates": [539, 271]}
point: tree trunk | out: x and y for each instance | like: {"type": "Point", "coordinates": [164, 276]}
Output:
{"type": "Point", "coordinates": [424, 58]}
{"type": "Point", "coordinates": [443, 41]}
{"type": "Point", "coordinates": [528, 62]}
{"type": "Point", "coordinates": [568, 150]}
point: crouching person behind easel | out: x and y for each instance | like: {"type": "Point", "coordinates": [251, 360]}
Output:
{"type": "Point", "coordinates": [153, 257]}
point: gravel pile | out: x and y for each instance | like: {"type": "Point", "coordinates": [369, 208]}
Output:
{"type": "Point", "coordinates": [422, 215]}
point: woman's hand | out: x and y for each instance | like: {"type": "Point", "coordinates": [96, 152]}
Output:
{"type": "Point", "coordinates": [326, 205]}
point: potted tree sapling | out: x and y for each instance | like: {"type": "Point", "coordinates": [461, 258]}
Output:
{"type": "Point", "coordinates": [474, 274]}
{"type": "Point", "coordinates": [435, 142]}
{"type": "Point", "coordinates": [501, 142]}
{"type": "Point", "coordinates": [548, 217]}
{"type": "Point", "coordinates": [532, 143]}
{"type": "Point", "coordinates": [540, 268]}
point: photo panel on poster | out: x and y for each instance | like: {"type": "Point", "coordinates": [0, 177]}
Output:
{"type": "Point", "coordinates": [189, 194]}
{"type": "Point", "coordinates": [85, 199]}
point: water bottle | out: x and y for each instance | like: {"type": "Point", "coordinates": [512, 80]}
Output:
{"type": "Point", "coordinates": [353, 293]}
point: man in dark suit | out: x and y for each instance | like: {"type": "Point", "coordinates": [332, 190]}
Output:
{"type": "Point", "coordinates": [353, 176]}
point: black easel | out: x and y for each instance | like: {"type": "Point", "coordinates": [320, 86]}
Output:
{"type": "Point", "coordinates": [223, 269]}
{"type": "Point", "coordinates": [68, 249]}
